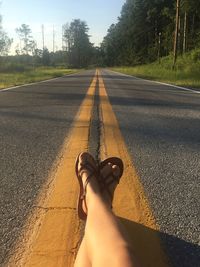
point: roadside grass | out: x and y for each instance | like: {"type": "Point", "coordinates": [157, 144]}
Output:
{"type": "Point", "coordinates": [9, 79]}
{"type": "Point", "coordinates": [187, 72]}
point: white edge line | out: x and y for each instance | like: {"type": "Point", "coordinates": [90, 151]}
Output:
{"type": "Point", "coordinates": [167, 84]}
{"type": "Point", "coordinates": [30, 84]}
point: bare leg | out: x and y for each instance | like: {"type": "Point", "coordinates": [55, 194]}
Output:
{"type": "Point", "coordinates": [82, 259]}
{"type": "Point", "coordinates": [105, 243]}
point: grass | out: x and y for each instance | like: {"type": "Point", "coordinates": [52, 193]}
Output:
{"type": "Point", "coordinates": [8, 79]}
{"type": "Point", "coordinates": [187, 72]}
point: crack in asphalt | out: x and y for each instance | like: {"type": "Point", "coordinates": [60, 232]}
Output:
{"type": "Point", "coordinates": [54, 208]}
{"type": "Point", "coordinates": [95, 127]}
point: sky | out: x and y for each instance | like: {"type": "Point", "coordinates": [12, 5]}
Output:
{"type": "Point", "coordinates": [99, 15]}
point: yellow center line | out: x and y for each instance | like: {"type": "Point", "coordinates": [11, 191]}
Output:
{"type": "Point", "coordinates": [54, 231]}
{"type": "Point", "coordinates": [130, 202]}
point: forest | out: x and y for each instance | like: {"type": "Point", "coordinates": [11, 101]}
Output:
{"type": "Point", "coordinates": [145, 31]}
{"type": "Point", "coordinates": [77, 50]}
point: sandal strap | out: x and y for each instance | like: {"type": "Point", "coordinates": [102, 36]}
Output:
{"type": "Point", "coordinates": [85, 186]}
{"type": "Point", "coordinates": [83, 196]}
{"type": "Point", "coordinates": [87, 166]}
{"type": "Point", "coordinates": [115, 178]}
{"type": "Point", "coordinates": [93, 171]}
{"type": "Point", "coordinates": [105, 185]}
{"type": "Point", "coordinates": [109, 193]}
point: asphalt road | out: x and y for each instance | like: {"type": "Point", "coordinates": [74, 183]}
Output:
{"type": "Point", "coordinates": [34, 120]}
{"type": "Point", "coordinates": [160, 125]}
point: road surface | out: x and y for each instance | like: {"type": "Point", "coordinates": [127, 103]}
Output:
{"type": "Point", "coordinates": [160, 126]}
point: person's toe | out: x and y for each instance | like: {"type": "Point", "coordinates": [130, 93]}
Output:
{"type": "Point", "coordinates": [116, 170]}
{"type": "Point", "coordinates": [106, 170]}
{"type": "Point", "coordinates": [107, 173]}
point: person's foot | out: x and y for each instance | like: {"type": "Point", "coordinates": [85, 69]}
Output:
{"type": "Point", "coordinates": [88, 171]}
{"type": "Point", "coordinates": [110, 175]}
{"type": "Point", "coordinates": [96, 181]}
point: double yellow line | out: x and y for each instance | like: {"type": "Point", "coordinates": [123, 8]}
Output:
{"type": "Point", "coordinates": [52, 235]}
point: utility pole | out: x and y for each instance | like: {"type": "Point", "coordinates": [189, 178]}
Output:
{"type": "Point", "coordinates": [53, 39]}
{"type": "Point", "coordinates": [43, 37]}
{"type": "Point", "coordinates": [159, 46]}
{"type": "Point", "coordinates": [176, 32]}
{"type": "Point", "coordinates": [185, 33]}
{"type": "Point", "coordinates": [62, 37]}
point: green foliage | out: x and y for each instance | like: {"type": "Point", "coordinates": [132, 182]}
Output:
{"type": "Point", "coordinates": [134, 39]}
{"type": "Point", "coordinates": [27, 44]}
{"type": "Point", "coordinates": [12, 67]}
{"type": "Point", "coordinates": [46, 57]}
{"type": "Point", "coordinates": [5, 41]}
{"type": "Point", "coordinates": [195, 55]}
{"type": "Point", "coordinates": [185, 74]}
{"type": "Point", "coordinates": [78, 53]}
{"type": "Point", "coordinates": [31, 75]}
{"type": "Point", "coordinates": [78, 45]}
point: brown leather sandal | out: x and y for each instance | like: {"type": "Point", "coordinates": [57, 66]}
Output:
{"type": "Point", "coordinates": [90, 166]}
{"type": "Point", "coordinates": [106, 181]}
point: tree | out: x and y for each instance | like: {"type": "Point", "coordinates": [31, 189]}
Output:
{"type": "Point", "coordinates": [46, 57]}
{"type": "Point", "coordinates": [78, 44]}
{"type": "Point", "coordinates": [67, 37]}
{"type": "Point", "coordinates": [111, 46]}
{"type": "Point", "coordinates": [190, 15]}
{"type": "Point", "coordinates": [145, 31]}
{"type": "Point", "coordinates": [5, 41]}
{"type": "Point", "coordinates": [27, 43]}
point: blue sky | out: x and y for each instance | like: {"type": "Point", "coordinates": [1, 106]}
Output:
{"type": "Point", "coordinates": [99, 15]}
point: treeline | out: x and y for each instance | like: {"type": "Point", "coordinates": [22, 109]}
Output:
{"type": "Point", "coordinates": [27, 55]}
{"type": "Point", "coordinates": [5, 41]}
{"type": "Point", "coordinates": [145, 31]}
{"type": "Point", "coordinates": [77, 50]}
{"type": "Point", "coordinates": [80, 51]}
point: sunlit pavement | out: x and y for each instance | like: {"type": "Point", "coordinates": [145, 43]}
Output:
{"type": "Point", "coordinates": [160, 126]}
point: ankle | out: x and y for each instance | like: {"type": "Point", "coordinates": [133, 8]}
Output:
{"type": "Point", "coordinates": [92, 188]}
{"type": "Point", "coordinates": [107, 199]}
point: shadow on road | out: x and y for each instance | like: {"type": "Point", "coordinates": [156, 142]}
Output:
{"type": "Point", "coordinates": [180, 252]}
{"type": "Point", "coordinates": [155, 102]}
{"type": "Point", "coordinates": [113, 77]}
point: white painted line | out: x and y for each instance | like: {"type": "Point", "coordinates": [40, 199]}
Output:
{"type": "Point", "coordinates": [179, 87]}
{"type": "Point", "coordinates": [123, 74]}
{"type": "Point", "coordinates": [15, 87]}
{"type": "Point", "coordinates": [30, 84]}
{"type": "Point", "coordinates": [166, 84]}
